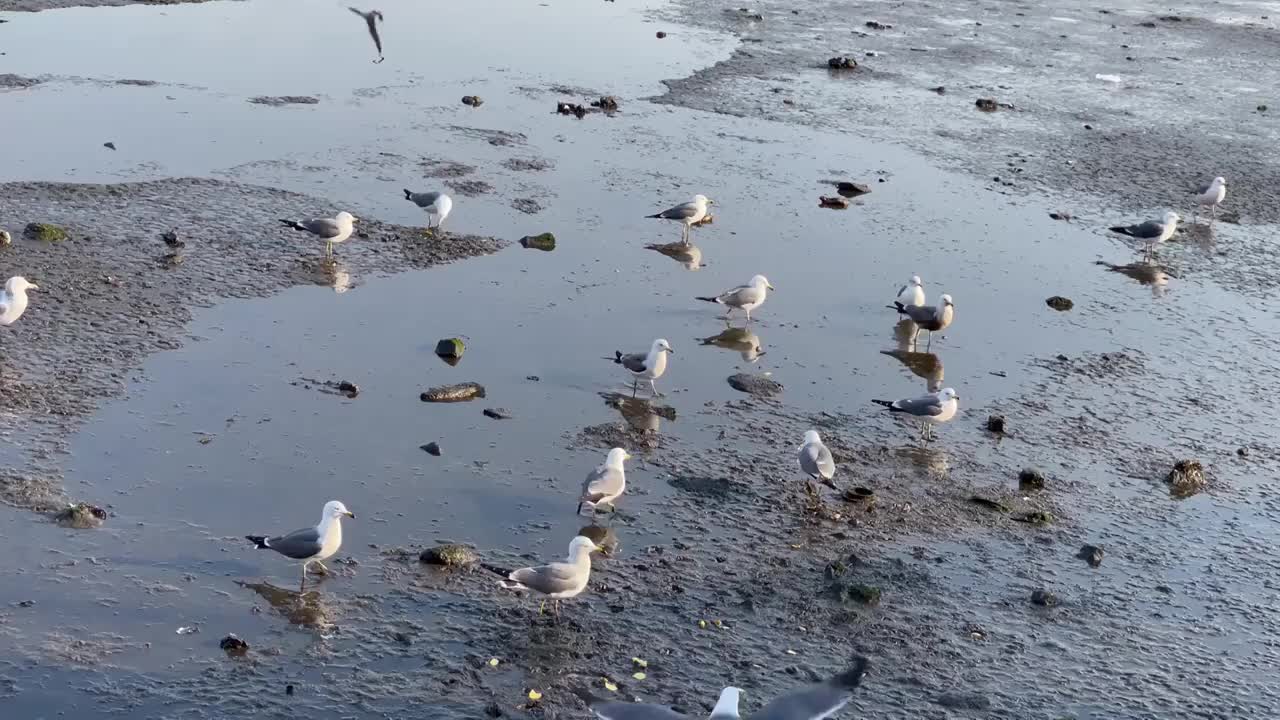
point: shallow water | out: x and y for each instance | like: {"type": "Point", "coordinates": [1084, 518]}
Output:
{"type": "Point", "coordinates": [171, 554]}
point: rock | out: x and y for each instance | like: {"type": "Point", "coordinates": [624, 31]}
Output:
{"type": "Point", "coordinates": [1242, 452]}
{"type": "Point", "coordinates": [1262, 108]}
{"type": "Point", "coordinates": [431, 448]}
{"type": "Point", "coordinates": [449, 555]}
{"type": "Point", "coordinates": [1060, 216]}
{"type": "Point", "coordinates": [497, 413]}
{"type": "Point", "coordinates": [1031, 479]}
{"type": "Point", "coordinates": [348, 388]}
{"type": "Point", "coordinates": [995, 423]}
{"type": "Point", "coordinates": [1059, 303]}
{"type": "Point", "coordinates": [963, 701]}
{"type": "Point", "coordinates": [450, 349]}
{"type": "Point", "coordinates": [835, 202]}
{"type": "Point", "coordinates": [608, 103]}
{"type": "Point", "coordinates": [109, 145]}
{"type": "Point", "coordinates": [941, 89]}
{"type": "Point", "coordinates": [9, 80]}
{"type": "Point", "coordinates": [758, 385]}
{"type": "Point", "coordinates": [989, 504]}
{"type": "Point", "coordinates": [571, 109]}
{"type": "Point", "coordinates": [170, 238]}
{"type": "Point", "coordinates": [1043, 598]}
{"type": "Point", "coordinates": [493, 709]}
{"type": "Point", "coordinates": [278, 100]}
{"type": "Point", "coordinates": [852, 189]}
{"type": "Point", "coordinates": [990, 105]}
{"type": "Point", "coordinates": [460, 392]}
{"type": "Point", "coordinates": [1091, 554]}
{"type": "Point", "coordinates": [661, 34]}
{"type": "Point", "coordinates": [840, 62]}
{"type": "Point", "coordinates": [45, 231]}
{"type": "Point", "coordinates": [878, 25]}
{"type": "Point", "coordinates": [233, 645]}
{"type": "Point", "coordinates": [472, 100]}
{"type": "Point", "coordinates": [1035, 517]}
{"type": "Point", "coordinates": [81, 516]}
{"type": "Point", "coordinates": [851, 592]}
{"type": "Point", "coordinates": [859, 494]}
{"type": "Point", "coordinates": [1186, 479]}
{"type": "Point", "coordinates": [546, 242]}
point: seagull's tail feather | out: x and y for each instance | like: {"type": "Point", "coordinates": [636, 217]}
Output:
{"type": "Point", "coordinates": [886, 403]}
{"type": "Point", "coordinates": [617, 357]}
{"type": "Point", "coordinates": [587, 696]}
{"type": "Point", "coordinates": [504, 572]}
{"type": "Point", "coordinates": [657, 215]}
{"type": "Point", "coordinates": [408, 194]}
{"type": "Point", "coordinates": [1123, 230]}
{"type": "Point", "coordinates": [292, 224]}
{"type": "Point", "coordinates": [259, 541]}
{"type": "Point", "coordinates": [708, 299]}
{"type": "Point", "coordinates": [512, 585]}
{"type": "Point", "coordinates": [852, 677]}
{"type": "Point", "coordinates": [902, 309]}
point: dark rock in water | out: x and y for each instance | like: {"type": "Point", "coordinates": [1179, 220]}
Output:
{"type": "Point", "coordinates": [170, 238]}
{"type": "Point", "coordinates": [1043, 598]}
{"type": "Point", "coordinates": [1242, 452]}
{"type": "Point", "coordinates": [432, 448]}
{"type": "Point", "coordinates": [278, 100]}
{"type": "Point", "coordinates": [1262, 108]}
{"type": "Point", "coordinates": [1057, 302]}
{"type": "Point", "coordinates": [758, 385]}
{"type": "Point", "coordinates": [1091, 554]}
{"type": "Point", "coordinates": [990, 105]}
{"type": "Point", "coordinates": [472, 100]}
{"type": "Point", "coordinates": [661, 34]}
{"type": "Point", "coordinates": [451, 555]}
{"type": "Point", "coordinates": [878, 25]}
{"type": "Point", "coordinates": [571, 109]}
{"type": "Point", "coordinates": [608, 103]}
{"type": "Point", "coordinates": [840, 62]}
{"type": "Point", "coordinates": [1186, 479]}
{"type": "Point", "coordinates": [461, 392]}
{"type": "Point", "coordinates": [1164, 589]}
{"type": "Point", "coordinates": [546, 241]}
{"type": "Point", "coordinates": [852, 189]}
{"type": "Point", "coordinates": [833, 201]}
{"type": "Point", "coordinates": [234, 645]}
{"type": "Point", "coordinates": [109, 145]}
{"type": "Point", "coordinates": [1031, 479]}
{"type": "Point", "coordinates": [995, 423]}
{"type": "Point", "coordinates": [941, 89]}
{"type": "Point", "coordinates": [288, 689]}
{"type": "Point", "coordinates": [859, 494]}
{"type": "Point", "coordinates": [402, 638]}
{"type": "Point", "coordinates": [47, 232]}
{"type": "Point", "coordinates": [81, 516]}
{"type": "Point", "coordinates": [852, 592]}
{"type": "Point", "coordinates": [497, 413]}
{"type": "Point", "coordinates": [450, 349]}
{"type": "Point", "coordinates": [348, 388]}
{"type": "Point", "coordinates": [1061, 215]}
{"type": "Point", "coordinates": [963, 701]}
{"type": "Point", "coordinates": [9, 80]}
{"type": "Point", "coordinates": [493, 710]}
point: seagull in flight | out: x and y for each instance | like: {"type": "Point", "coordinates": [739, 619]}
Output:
{"type": "Point", "coordinates": [372, 18]}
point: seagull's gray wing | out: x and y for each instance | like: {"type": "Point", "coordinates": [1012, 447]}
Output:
{"type": "Point", "coordinates": [820, 700]}
{"type": "Point", "coordinates": [1202, 189]}
{"type": "Point", "coordinates": [816, 461]}
{"type": "Point", "coordinates": [920, 313]}
{"type": "Point", "coordinates": [552, 578]}
{"type": "Point", "coordinates": [635, 711]}
{"type": "Point", "coordinates": [924, 406]}
{"type": "Point", "coordinates": [635, 362]}
{"type": "Point", "coordinates": [425, 199]}
{"type": "Point", "coordinates": [299, 544]}
{"type": "Point", "coordinates": [683, 211]}
{"type": "Point", "coordinates": [739, 296]}
{"type": "Point", "coordinates": [324, 228]}
{"type": "Point", "coordinates": [602, 482]}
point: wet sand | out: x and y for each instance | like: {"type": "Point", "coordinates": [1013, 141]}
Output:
{"type": "Point", "coordinates": [222, 433]}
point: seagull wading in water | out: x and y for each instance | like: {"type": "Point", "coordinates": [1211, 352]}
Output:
{"type": "Point", "coordinates": [1153, 232]}
{"type": "Point", "coordinates": [310, 545]}
{"type": "Point", "coordinates": [928, 317]}
{"type": "Point", "coordinates": [744, 297]}
{"type": "Point", "coordinates": [646, 366]}
{"type": "Point", "coordinates": [928, 410]}
{"type": "Point", "coordinates": [331, 230]}
{"type": "Point", "coordinates": [690, 214]}
{"type": "Point", "coordinates": [557, 580]}
{"type": "Point", "coordinates": [910, 294]}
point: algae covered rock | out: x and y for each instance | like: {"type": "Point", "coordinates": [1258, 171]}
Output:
{"type": "Point", "coordinates": [450, 350]}
{"type": "Point", "coordinates": [47, 232]}
{"type": "Point", "coordinates": [546, 242]}
{"type": "Point", "coordinates": [449, 555]}
{"type": "Point", "coordinates": [81, 516]}
{"type": "Point", "coordinates": [461, 392]}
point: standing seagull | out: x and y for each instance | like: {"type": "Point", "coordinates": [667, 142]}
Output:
{"type": "Point", "coordinates": [331, 230]}
{"type": "Point", "coordinates": [744, 297]}
{"type": "Point", "coordinates": [912, 293]}
{"type": "Point", "coordinates": [556, 580]}
{"type": "Point", "coordinates": [13, 299]}
{"type": "Point", "coordinates": [437, 205]}
{"type": "Point", "coordinates": [929, 409]}
{"type": "Point", "coordinates": [815, 459]}
{"type": "Point", "coordinates": [606, 483]}
{"type": "Point", "coordinates": [929, 317]}
{"type": "Point", "coordinates": [690, 213]}
{"type": "Point", "coordinates": [372, 18]}
{"type": "Point", "coordinates": [1153, 232]}
{"type": "Point", "coordinates": [1212, 195]}
{"type": "Point", "coordinates": [646, 366]}
{"type": "Point", "coordinates": [310, 545]}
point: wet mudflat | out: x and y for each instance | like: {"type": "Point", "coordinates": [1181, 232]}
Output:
{"type": "Point", "coordinates": [725, 571]}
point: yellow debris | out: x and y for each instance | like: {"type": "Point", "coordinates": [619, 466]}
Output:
{"type": "Point", "coordinates": [493, 662]}
{"type": "Point", "coordinates": [611, 687]}
{"type": "Point", "coordinates": [534, 695]}
{"type": "Point", "coordinates": [639, 676]}
{"type": "Point", "coordinates": [702, 624]}
{"type": "Point", "coordinates": [640, 663]}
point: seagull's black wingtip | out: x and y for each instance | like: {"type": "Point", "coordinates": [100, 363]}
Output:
{"type": "Point", "coordinates": [852, 677]}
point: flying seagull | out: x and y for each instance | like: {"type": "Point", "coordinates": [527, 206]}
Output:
{"type": "Point", "coordinates": [372, 18]}
{"type": "Point", "coordinates": [331, 230]}
{"type": "Point", "coordinates": [744, 297]}
{"type": "Point", "coordinates": [1153, 232]}
{"type": "Point", "coordinates": [310, 545]}
{"type": "Point", "coordinates": [929, 409]}
{"type": "Point", "coordinates": [437, 204]}
{"type": "Point", "coordinates": [690, 213]}
{"type": "Point", "coordinates": [646, 366]}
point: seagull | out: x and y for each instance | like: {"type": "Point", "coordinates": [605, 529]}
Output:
{"type": "Point", "coordinates": [437, 204]}
{"type": "Point", "coordinates": [310, 545]}
{"type": "Point", "coordinates": [556, 580]}
{"type": "Point", "coordinates": [606, 483]}
{"type": "Point", "coordinates": [646, 366]}
{"type": "Point", "coordinates": [744, 297]}
{"type": "Point", "coordinates": [929, 317]}
{"type": "Point", "coordinates": [929, 409]}
{"type": "Point", "coordinates": [372, 18]}
{"type": "Point", "coordinates": [815, 460]}
{"type": "Point", "coordinates": [815, 702]}
{"type": "Point", "coordinates": [690, 213]}
{"type": "Point", "coordinates": [1153, 232]}
{"type": "Point", "coordinates": [13, 299]}
{"type": "Point", "coordinates": [332, 230]}
{"type": "Point", "coordinates": [912, 293]}
{"type": "Point", "coordinates": [1212, 195]}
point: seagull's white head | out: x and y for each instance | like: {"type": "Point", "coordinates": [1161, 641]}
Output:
{"type": "Point", "coordinates": [916, 281]}
{"type": "Point", "coordinates": [17, 283]}
{"type": "Point", "coordinates": [336, 510]}
{"type": "Point", "coordinates": [346, 217]}
{"type": "Point", "coordinates": [616, 457]}
{"type": "Point", "coordinates": [811, 436]}
{"type": "Point", "coordinates": [761, 281]}
{"type": "Point", "coordinates": [1220, 181]}
{"type": "Point", "coordinates": [1171, 218]}
{"type": "Point", "coordinates": [703, 200]}
{"type": "Point", "coordinates": [948, 394]}
{"type": "Point", "coordinates": [727, 705]}
{"type": "Point", "coordinates": [661, 345]}
{"type": "Point", "coordinates": [946, 300]}
{"type": "Point", "coordinates": [582, 545]}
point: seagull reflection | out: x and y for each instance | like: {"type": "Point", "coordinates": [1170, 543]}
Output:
{"type": "Point", "coordinates": [740, 340]}
{"type": "Point", "coordinates": [305, 609]}
{"type": "Point", "coordinates": [338, 277]}
{"type": "Point", "coordinates": [690, 256]}
{"type": "Point", "coordinates": [1147, 273]}
{"type": "Point", "coordinates": [640, 413]}
{"type": "Point", "coordinates": [925, 365]}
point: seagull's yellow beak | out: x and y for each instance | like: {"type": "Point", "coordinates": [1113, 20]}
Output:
{"type": "Point", "coordinates": [33, 286]}
{"type": "Point", "coordinates": [769, 286]}
{"type": "Point", "coordinates": [350, 514]}
{"type": "Point", "coordinates": [627, 456]}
